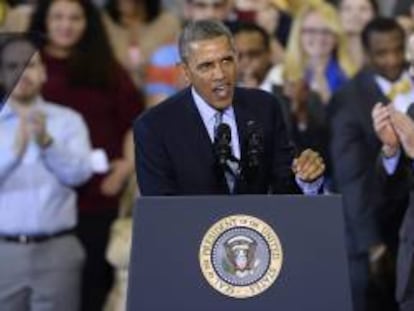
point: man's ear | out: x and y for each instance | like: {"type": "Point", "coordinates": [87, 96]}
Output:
{"type": "Point", "coordinates": [185, 70]}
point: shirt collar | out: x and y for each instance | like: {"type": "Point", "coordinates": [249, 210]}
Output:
{"type": "Point", "coordinates": [208, 112]}
{"type": "Point", "coordinates": [386, 85]}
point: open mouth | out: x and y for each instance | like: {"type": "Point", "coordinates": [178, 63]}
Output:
{"type": "Point", "coordinates": [222, 91]}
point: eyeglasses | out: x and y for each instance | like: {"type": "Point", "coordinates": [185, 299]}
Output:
{"type": "Point", "coordinates": [317, 31]}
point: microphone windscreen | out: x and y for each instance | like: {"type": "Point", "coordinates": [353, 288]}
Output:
{"type": "Point", "coordinates": [224, 132]}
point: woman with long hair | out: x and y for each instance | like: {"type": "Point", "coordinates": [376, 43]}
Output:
{"type": "Point", "coordinates": [317, 49]}
{"type": "Point", "coordinates": [84, 75]}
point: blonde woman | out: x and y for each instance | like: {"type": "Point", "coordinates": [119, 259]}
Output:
{"type": "Point", "coordinates": [317, 49]}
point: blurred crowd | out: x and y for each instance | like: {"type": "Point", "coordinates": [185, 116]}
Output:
{"type": "Point", "coordinates": [95, 65]}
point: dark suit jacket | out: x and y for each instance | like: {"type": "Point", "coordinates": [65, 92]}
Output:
{"type": "Point", "coordinates": [174, 154]}
{"type": "Point", "coordinates": [316, 134]}
{"type": "Point", "coordinates": [370, 217]}
{"type": "Point", "coordinates": [396, 187]}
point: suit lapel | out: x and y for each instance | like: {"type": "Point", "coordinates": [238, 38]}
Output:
{"type": "Point", "coordinates": [371, 94]}
{"type": "Point", "coordinates": [195, 126]}
{"type": "Point", "coordinates": [200, 143]}
{"type": "Point", "coordinates": [242, 117]}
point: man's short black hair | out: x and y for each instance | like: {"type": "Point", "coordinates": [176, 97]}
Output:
{"type": "Point", "coordinates": [251, 27]}
{"type": "Point", "coordinates": [380, 25]}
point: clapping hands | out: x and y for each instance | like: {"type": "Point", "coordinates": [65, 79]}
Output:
{"type": "Point", "coordinates": [394, 129]}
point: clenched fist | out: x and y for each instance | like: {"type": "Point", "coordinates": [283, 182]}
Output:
{"type": "Point", "coordinates": [309, 166]}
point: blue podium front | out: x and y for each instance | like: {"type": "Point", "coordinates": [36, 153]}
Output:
{"type": "Point", "coordinates": [239, 253]}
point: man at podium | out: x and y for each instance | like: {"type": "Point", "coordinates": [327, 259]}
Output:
{"type": "Point", "coordinates": [216, 138]}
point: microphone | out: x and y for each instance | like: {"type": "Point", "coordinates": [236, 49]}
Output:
{"type": "Point", "coordinates": [254, 144]}
{"type": "Point", "coordinates": [222, 140]}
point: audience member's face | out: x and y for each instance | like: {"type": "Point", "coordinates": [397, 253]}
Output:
{"type": "Point", "coordinates": [253, 54]}
{"type": "Point", "coordinates": [127, 7]}
{"type": "Point", "coordinates": [207, 9]}
{"type": "Point", "coordinates": [13, 61]}
{"type": "Point", "coordinates": [317, 39]}
{"type": "Point", "coordinates": [386, 54]}
{"type": "Point", "coordinates": [31, 73]}
{"type": "Point", "coordinates": [355, 14]}
{"type": "Point", "coordinates": [211, 69]}
{"type": "Point", "coordinates": [268, 18]}
{"type": "Point", "coordinates": [246, 5]}
{"type": "Point", "coordinates": [65, 23]}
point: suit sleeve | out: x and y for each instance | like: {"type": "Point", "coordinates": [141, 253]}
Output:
{"type": "Point", "coordinates": [283, 179]}
{"type": "Point", "coordinates": [395, 186]}
{"type": "Point", "coordinates": [155, 175]}
{"type": "Point", "coordinates": [354, 173]}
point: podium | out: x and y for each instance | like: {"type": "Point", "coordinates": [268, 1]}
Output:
{"type": "Point", "coordinates": [195, 253]}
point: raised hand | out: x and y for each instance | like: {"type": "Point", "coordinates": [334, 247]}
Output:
{"type": "Point", "coordinates": [404, 127]}
{"type": "Point", "coordinates": [38, 127]}
{"type": "Point", "coordinates": [116, 179]}
{"type": "Point", "coordinates": [22, 137]}
{"type": "Point", "coordinates": [384, 128]}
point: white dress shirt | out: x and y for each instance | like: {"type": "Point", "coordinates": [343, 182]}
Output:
{"type": "Point", "coordinates": [36, 188]}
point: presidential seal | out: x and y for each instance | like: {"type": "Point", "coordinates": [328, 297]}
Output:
{"type": "Point", "coordinates": [240, 256]}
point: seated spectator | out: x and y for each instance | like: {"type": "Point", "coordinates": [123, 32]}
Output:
{"type": "Point", "coordinates": [317, 50]}
{"type": "Point", "coordinates": [14, 18]}
{"type": "Point", "coordinates": [163, 75]}
{"type": "Point", "coordinates": [254, 55]}
{"type": "Point", "coordinates": [45, 153]}
{"type": "Point", "coordinates": [404, 13]}
{"type": "Point", "coordinates": [355, 14]}
{"type": "Point", "coordinates": [136, 29]}
{"type": "Point", "coordinates": [273, 17]}
{"type": "Point", "coordinates": [209, 9]}
{"type": "Point", "coordinates": [86, 77]}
